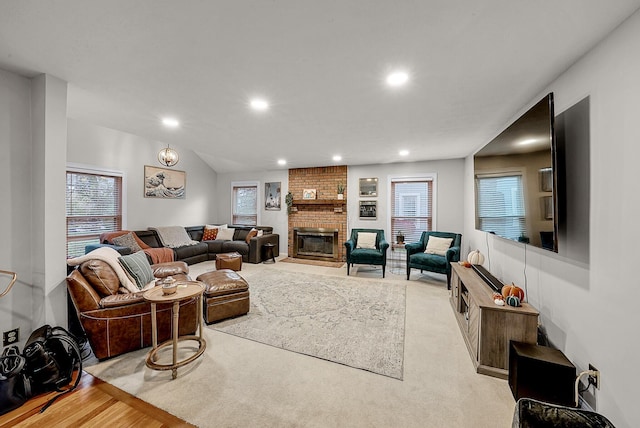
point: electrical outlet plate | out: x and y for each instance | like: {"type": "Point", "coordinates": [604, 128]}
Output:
{"type": "Point", "coordinates": [594, 380]}
{"type": "Point", "coordinates": [10, 337]}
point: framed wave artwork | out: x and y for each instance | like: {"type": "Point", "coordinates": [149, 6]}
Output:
{"type": "Point", "coordinates": [164, 183]}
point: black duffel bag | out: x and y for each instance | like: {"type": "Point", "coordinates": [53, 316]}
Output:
{"type": "Point", "coordinates": [52, 356]}
{"type": "Point", "coordinates": [14, 383]}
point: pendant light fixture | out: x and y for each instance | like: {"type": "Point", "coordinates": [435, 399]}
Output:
{"type": "Point", "coordinates": [168, 157]}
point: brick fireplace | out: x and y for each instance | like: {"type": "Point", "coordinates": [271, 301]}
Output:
{"type": "Point", "coordinates": [326, 212]}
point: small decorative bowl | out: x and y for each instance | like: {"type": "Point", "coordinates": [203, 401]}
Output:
{"type": "Point", "coordinates": [169, 285]}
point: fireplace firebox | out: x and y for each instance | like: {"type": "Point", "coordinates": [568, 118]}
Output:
{"type": "Point", "coordinates": [315, 243]}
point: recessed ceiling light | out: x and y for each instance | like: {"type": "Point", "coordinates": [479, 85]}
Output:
{"type": "Point", "coordinates": [170, 122]}
{"type": "Point", "coordinates": [403, 152]}
{"type": "Point", "coordinates": [282, 162]}
{"type": "Point", "coordinates": [397, 78]}
{"type": "Point", "coordinates": [259, 104]}
{"type": "Point", "coordinates": [337, 158]}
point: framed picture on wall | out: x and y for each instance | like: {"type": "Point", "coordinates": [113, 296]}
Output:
{"type": "Point", "coordinates": [546, 179]}
{"type": "Point", "coordinates": [309, 194]}
{"type": "Point", "coordinates": [272, 196]}
{"type": "Point", "coordinates": [164, 183]}
{"type": "Point", "coordinates": [368, 187]}
{"type": "Point", "coordinates": [368, 210]}
{"type": "Point", "coordinates": [547, 208]}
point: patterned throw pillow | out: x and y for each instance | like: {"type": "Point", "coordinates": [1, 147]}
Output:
{"type": "Point", "coordinates": [253, 232]}
{"type": "Point", "coordinates": [127, 241]}
{"type": "Point", "coordinates": [138, 268]}
{"type": "Point", "coordinates": [210, 234]}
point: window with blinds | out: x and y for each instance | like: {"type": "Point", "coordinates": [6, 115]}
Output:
{"type": "Point", "coordinates": [500, 205]}
{"type": "Point", "coordinates": [411, 208]}
{"type": "Point", "coordinates": [245, 205]}
{"type": "Point", "coordinates": [94, 206]}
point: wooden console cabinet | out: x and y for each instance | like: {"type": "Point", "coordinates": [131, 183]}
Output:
{"type": "Point", "coordinates": [486, 327]}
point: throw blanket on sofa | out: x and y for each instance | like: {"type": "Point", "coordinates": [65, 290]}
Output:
{"type": "Point", "coordinates": [173, 236]}
{"type": "Point", "coordinates": [157, 255]}
{"type": "Point", "coordinates": [109, 256]}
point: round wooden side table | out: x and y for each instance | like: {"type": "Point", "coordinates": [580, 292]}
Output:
{"type": "Point", "coordinates": [186, 290]}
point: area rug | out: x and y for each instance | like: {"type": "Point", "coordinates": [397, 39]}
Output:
{"type": "Point", "coordinates": [352, 321]}
{"type": "Point", "coordinates": [313, 262]}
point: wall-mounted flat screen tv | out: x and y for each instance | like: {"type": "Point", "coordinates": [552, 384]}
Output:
{"type": "Point", "coordinates": [516, 183]}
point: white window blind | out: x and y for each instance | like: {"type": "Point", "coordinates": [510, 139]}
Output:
{"type": "Point", "coordinates": [245, 205]}
{"type": "Point", "coordinates": [501, 205]}
{"type": "Point", "coordinates": [94, 206]}
{"type": "Point", "coordinates": [411, 208]}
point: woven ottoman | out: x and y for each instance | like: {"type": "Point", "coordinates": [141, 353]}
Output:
{"type": "Point", "coordinates": [231, 261]}
{"type": "Point", "coordinates": [226, 295]}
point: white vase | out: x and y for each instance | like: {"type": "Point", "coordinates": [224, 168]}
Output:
{"type": "Point", "coordinates": [340, 196]}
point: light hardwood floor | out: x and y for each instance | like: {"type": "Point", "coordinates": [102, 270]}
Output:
{"type": "Point", "coordinates": [93, 403]}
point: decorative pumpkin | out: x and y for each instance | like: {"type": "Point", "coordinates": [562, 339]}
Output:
{"type": "Point", "coordinates": [475, 257]}
{"type": "Point", "coordinates": [513, 290]}
{"type": "Point", "coordinates": [513, 301]}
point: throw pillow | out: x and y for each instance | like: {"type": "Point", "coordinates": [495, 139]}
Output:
{"type": "Point", "coordinates": [210, 234]}
{"type": "Point", "coordinates": [438, 246]}
{"type": "Point", "coordinates": [127, 240]}
{"type": "Point", "coordinates": [260, 232]}
{"type": "Point", "coordinates": [226, 234]}
{"type": "Point", "coordinates": [253, 232]}
{"type": "Point", "coordinates": [101, 276]}
{"type": "Point", "coordinates": [367, 240]}
{"type": "Point", "coordinates": [138, 268]}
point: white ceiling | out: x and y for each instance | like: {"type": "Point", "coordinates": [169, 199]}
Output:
{"type": "Point", "coordinates": [473, 64]}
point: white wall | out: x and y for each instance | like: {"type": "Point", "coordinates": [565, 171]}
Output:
{"type": "Point", "coordinates": [449, 201]}
{"type": "Point", "coordinates": [101, 147]}
{"type": "Point", "coordinates": [276, 219]}
{"type": "Point", "coordinates": [590, 312]}
{"type": "Point", "coordinates": [449, 209]}
{"type": "Point", "coordinates": [49, 141]}
{"type": "Point", "coordinates": [15, 209]}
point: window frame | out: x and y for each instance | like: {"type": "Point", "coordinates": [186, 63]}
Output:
{"type": "Point", "coordinates": [93, 170]}
{"type": "Point", "coordinates": [500, 173]}
{"type": "Point", "coordinates": [433, 177]}
{"type": "Point", "coordinates": [255, 184]}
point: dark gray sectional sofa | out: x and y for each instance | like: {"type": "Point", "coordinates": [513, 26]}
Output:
{"type": "Point", "coordinates": [206, 250]}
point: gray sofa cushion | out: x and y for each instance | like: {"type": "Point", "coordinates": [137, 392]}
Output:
{"type": "Point", "coordinates": [215, 246]}
{"type": "Point", "coordinates": [189, 251]}
{"type": "Point", "coordinates": [239, 246]}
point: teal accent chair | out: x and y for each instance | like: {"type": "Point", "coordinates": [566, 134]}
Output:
{"type": "Point", "coordinates": [418, 259]}
{"type": "Point", "coordinates": [365, 256]}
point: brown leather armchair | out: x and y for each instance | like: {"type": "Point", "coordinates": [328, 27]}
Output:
{"type": "Point", "coordinates": [116, 322]}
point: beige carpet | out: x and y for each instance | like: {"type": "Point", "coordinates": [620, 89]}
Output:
{"type": "Point", "coordinates": [243, 383]}
{"type": "Point", "coordinates": [340, 319]}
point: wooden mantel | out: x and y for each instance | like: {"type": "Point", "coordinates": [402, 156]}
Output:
{"type": "Point", "coordinates": [333, 202]}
